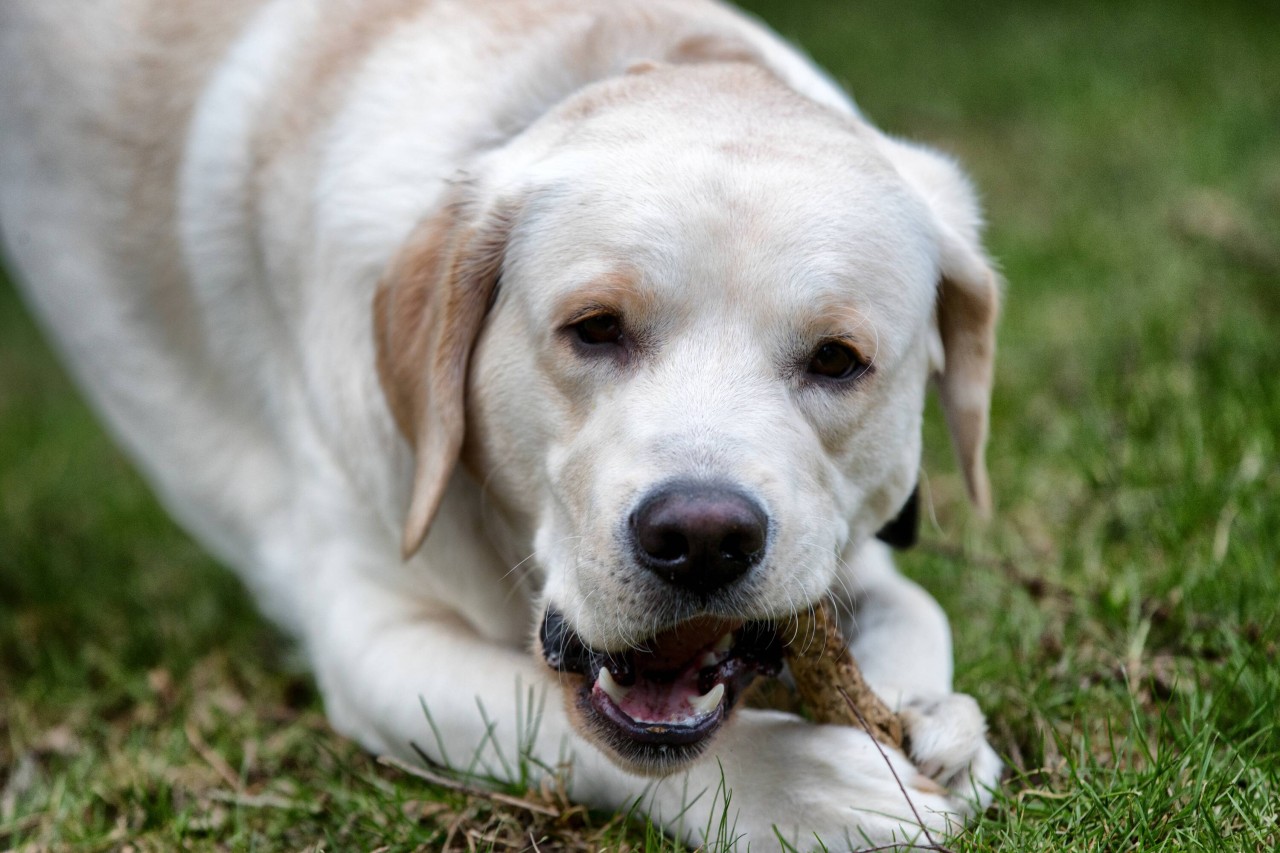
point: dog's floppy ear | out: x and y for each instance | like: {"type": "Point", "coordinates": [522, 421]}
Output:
{"type": "Point", "coordinates": [428, 311]}
{"type": "Point", "coordinates": [968, 304]}
{"type": "Point", "coordinates": [967, 307]}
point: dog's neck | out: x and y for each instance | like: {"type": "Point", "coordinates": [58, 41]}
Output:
{"type": "Point", "coordinates": [903, 530]}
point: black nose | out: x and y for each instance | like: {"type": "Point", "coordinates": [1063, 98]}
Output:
{"type": "Point", "coordinates": [698, 536]}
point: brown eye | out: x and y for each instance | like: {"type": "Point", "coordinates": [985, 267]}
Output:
{"type": "Point", "coordinates": [599, 330]}
{"type": "Point", "coordinates": [834, 360]}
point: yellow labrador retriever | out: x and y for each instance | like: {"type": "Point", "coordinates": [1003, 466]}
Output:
{"type": "Point", "coordinates": [641, 268]}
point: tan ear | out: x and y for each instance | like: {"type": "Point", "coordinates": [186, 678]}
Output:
{"type": "Point", "coordinates": [428, 311]}
{"type": "Point", "coordinates": [967, 306]}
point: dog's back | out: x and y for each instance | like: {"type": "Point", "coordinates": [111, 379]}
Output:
{"type": "Point", "coordinates": [93, 115]}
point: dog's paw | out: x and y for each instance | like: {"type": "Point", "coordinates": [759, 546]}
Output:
{"type": "Point", "coordinates": [793, 785]}
{"type": "Point", "coordinates": [946, 739]}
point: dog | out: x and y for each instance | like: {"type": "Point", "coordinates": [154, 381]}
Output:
{"type": "Point", "coordinates": [532, 361]}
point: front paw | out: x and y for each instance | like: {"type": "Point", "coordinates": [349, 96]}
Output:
{"type": "Point", "coordinates": [946, 738]}
{"type": "Point", "coordinates": [792, 784]}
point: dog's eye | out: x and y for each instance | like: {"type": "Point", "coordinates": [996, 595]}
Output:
{"type": "Point", "coordinates": [599, 329]}
{"type": "Point", "coordinates": [835, 360]}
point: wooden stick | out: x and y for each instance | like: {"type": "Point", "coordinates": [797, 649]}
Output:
{"type": "Point", "coordinates": [824, 669]}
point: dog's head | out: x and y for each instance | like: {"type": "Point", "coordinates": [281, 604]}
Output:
{"type": "Point", "coordinates": [685, 325]}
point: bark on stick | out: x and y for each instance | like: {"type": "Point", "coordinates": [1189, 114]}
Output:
{"type": "Point", "coordinates": [821, 663]}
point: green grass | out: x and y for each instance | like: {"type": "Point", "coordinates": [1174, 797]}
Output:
{"type": "Point", "coordinates": [1118, 619]}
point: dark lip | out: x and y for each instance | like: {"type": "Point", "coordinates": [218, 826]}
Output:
{"type": "Point", "coordinates": [756, 653]}
{"type": "Point", "coordinates": [650, 734]}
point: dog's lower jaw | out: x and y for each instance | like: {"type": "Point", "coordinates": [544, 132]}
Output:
{"type": "Point", "coordinates": [655, 710]}
{"type": "Point", "coordinates": [668, 753]}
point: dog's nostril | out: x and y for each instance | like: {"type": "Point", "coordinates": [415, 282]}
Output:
{"type": "Point", "coordinates": [699, 536]}
{"type": "Point", "coordinates": [741, 545]}
{"type": "Point", "coordinates": [668, 545]}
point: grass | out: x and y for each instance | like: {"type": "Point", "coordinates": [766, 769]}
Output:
{"type": "Point", "coordinates": [1117, 620]}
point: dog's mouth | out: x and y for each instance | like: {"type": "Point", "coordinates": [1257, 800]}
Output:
{"type": "Point", "coordinates": [658, 705]}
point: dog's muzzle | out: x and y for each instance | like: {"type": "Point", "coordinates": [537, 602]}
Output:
{"type": "Point", "coordinates": [657, 705]}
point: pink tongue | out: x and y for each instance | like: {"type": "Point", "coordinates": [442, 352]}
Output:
{"type": "Point", "coordinates": [673, 658]}
{"type": "Point", "coordinates": [662, 702]}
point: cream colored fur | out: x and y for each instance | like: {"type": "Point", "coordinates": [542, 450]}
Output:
{"type": "Point", "coordinates": [265, 235]}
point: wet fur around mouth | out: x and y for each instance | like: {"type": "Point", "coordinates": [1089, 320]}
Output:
{"type": "Point", "coordinates": [706, 671]}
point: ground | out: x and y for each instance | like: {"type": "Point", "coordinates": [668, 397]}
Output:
{"type": "Point", "coordinates": [1117, 619]}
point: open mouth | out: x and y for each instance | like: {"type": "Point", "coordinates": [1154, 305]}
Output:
{"type": "Point", "coordinates": [659, 704]}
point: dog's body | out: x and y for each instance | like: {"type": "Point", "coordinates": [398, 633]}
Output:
{"type": "Point", "coordinates": [264, 234]}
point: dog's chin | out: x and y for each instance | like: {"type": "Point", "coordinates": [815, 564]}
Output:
{"type": "Point", "coordinates": [655, 708]}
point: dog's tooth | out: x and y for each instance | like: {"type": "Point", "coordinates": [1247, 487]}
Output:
{"type": "Point", "coordinates": [705, 704]}
{"type": "Point", "coordinates": [724, 644]}
{"type": "Point", "coordinates": [612, 688]}
{"type": "Point", "coordinates": [709, 659]}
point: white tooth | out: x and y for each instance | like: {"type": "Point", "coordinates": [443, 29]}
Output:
{"type": "Point", "coordinates": [615, 690]}
{"type": "Point", "coordinates": [709, 659]}
{"type": "Point", "coordinates": [703, 705]}
{"type": "Point", "coordinates": [725, 643]}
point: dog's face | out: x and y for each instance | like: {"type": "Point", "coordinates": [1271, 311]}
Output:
{"type": "Point", "coordinates": [699, 384]}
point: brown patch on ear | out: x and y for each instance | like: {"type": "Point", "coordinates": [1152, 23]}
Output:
{"type": "Point", "coordinates": [968, 306]}
{"type": "Point", "coordinates": [427, 314]}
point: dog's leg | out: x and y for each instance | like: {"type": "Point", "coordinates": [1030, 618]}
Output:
{"type": "Point", "coordinates": [398, 671]}
{"type": "Point", "coordinates": [902, 642]}
{"type": "Point", "coordinates": [405, 677]}
{"type": "Point", "coordinates": [897, 632]}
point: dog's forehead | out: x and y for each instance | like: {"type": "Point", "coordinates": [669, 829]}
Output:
{"type": "Point", "coordinates": [818, 228]}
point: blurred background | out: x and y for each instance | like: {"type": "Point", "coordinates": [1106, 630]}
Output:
{"type": "Point", "coordinates": [1117, 620]}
